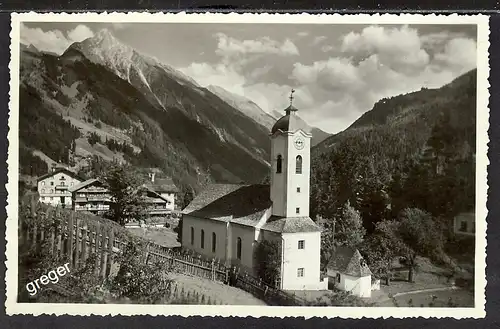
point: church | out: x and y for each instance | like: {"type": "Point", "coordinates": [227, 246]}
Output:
{"type": "Point", "coordinates": [226, 220]}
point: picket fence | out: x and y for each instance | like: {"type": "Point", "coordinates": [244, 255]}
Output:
{"type": "Point", "coordinates": [77, 235]}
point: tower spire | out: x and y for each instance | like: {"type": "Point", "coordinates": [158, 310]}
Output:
{"type": "Point", "coordinates": [290, 108]}
{"type": "Point", "coordinates": [291, 96]}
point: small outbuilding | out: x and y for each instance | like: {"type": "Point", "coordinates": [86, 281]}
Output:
{"type": "Point", "coordinates": [348, 271]}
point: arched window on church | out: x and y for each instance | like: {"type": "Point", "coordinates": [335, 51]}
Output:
{"type": "Point", "coordinates": [298, 164]}
{"type": "Point", "coordinates": [202, 239]}
{"type": "Point", "coordinates": [192, 235]}
{"type": "Point", "coordinates": [238, 248]}
{"type": "Point", "coordinates": [279, 164]}
{"type": "Point", "coordinates": [214, 241]}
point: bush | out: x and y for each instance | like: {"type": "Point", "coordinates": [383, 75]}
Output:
{"type": "Point", "coordinates": [139, 281]}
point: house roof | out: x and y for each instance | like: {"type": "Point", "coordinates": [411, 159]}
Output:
{"type": "Point", "coordinates": [242, 204]}
{"type": "Point", "coordinates": [83, 184]}
{"type": "Point", "coordinates": [290, 225]}
{"type": "Point", "coordinates": [163, 185]}
{"type": "Point", "coordinates": [59, 170]}
{"type": "Point", "coordinates": [155, 193]}
{"type": "Point", "coordinates": [349, 261]}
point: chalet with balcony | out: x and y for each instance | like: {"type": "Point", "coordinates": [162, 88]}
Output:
{"type": "Point", "coordinates": [166, 190]}
{"type": "Point", "coordinates": [92, 196]}
{"type": "Point", "coordinates": [157, 205]}
{"type": "Point", "coordinates": [54, 187]}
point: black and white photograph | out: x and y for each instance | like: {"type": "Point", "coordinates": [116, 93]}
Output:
{"type": "Point", "coordinates": [254, 165]}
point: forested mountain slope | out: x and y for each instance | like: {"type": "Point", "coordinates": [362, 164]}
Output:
{"type": "Point", "coordinates": [413, 150]}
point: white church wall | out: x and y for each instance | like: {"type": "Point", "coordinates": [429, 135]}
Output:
{"type": "Point", "coordinates": [307, 259]}
{"type": "Point", "coordinates": [295, 198]}
{"type": "Point", "coordinates": [247, 236]}
{"type": "Point", "coordinates": [209, 227]}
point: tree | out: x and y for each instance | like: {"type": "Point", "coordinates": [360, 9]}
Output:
{"type": "Point", "coordinates": [414, 233]}
{"type": "Point", "coordinates": [127, 201]}
{"type": "Point", "coordinates": [267, 254]}
{"type": "Point", "coordinates": [350, 230]}
{"type": "Point", "coordinates": [346, 229]}
{"type": "Point", "coordinates": [379, 252]}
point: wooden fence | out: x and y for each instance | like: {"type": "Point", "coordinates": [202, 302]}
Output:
{"type": "Point", "coordinates": [76, 235]}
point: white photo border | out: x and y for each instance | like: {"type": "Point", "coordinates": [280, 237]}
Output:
{"type": "Point", "coordinates": [482, 139]}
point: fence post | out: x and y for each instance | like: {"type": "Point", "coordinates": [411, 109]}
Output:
{"type": "Point", "coordinates": [110, 256]}
{"type": "Point", "coordinates": [85, 233]}
{"type": "Point", "coordinates": [145, 255]}
{"type": "Point", "coordinates": [33, 241]}
{"type": "Point", "coordinates": [70, 237]}
{"type": "Point", "coordinates": [52, 238]}
{"type": "Point", "coordinates": [103, 253]}
{"type": "Point", "coordinates": [77, 243]}
{"type": "Point", "coordinates": [213, 269]}
{"type": "Point", "coordinates": [96, 240]}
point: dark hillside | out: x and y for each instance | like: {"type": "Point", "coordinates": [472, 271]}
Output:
{"type": "Point", "coordinates": [410, 150]}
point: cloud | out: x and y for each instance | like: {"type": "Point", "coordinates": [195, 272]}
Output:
{"type": "Point", "coordinates": [437, 39]}
{"type": "Point", "coordinates": [118, 26]}
{"type": "Point", "coordinates": [319, 39]}
{"type": "Point", "coordinates": [303, 34]}
{"type": "Point", "coordinates": [229, 47]}
{"type": "Point", "coordinates": [398, 48]}
{"type": "Point", "coordinates": [327, 48]}
{"type": "Point", "coordinates": [336, 85]}
{"type": "Point", "coordinates": [54, 40]}
{"type": "Point", "coordinates": [460, 54]}
{"type": "Point", "coordinates": [80, 33]}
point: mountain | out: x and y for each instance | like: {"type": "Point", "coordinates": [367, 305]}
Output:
{"type": "Point", "coordinates": [256, 113]}
{"type": "Point", "coordinates": [102, 98]}
{"type": "Point", "coordinates": [412, 150]}
{"type": "Point", "coordinates": [244, 105]}
{"type": "Point", "coordinates": [318, 136]}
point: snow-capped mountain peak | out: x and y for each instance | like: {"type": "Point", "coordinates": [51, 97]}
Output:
{"type": "Point", "coordinates": [105, 49]}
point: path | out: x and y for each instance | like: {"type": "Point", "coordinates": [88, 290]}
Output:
{"type": "Point", "coordinates": [404, 293]}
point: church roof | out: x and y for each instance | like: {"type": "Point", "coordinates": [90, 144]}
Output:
{"type": "Point", "coordinates": [290, 123]}
{"type": "Point", "coordinates": [245, 205]}
{"type": "Point", "coordinates": [290, 225]}
{"type": "Point", "coordinates": [348, 261]}
{"type": "Point", "coordinates": [242, 204]}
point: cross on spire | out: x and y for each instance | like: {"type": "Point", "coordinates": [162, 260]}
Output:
{"type": "Point", "coordinates": [291, 96]}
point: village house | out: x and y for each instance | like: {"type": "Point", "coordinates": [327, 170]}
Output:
{"type": "Point", "coordinates": [225, 220]}
{"type": "Point", "coordinates": [464, 224]}
{"type": "Point", "coordinates": [161, 195]}
{"type": "Point", "coordinates": [348, 271]}
{"type": "Point", "coordinates": [54, 187]}
{"type": "Point", "coordinates": [92, 196]}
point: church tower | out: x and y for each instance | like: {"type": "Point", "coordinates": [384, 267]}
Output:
{"type": "Point", "coordinates": [291, 164]}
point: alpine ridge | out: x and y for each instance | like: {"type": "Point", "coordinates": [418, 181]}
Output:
{"type": "Point", "coordinates": [101, 91]}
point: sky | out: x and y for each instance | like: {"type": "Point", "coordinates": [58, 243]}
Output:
{"type": "Point", "coordinates": [338, 71]}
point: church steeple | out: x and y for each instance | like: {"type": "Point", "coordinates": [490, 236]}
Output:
{"type": "Point", "coordinates": [290, 171]}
